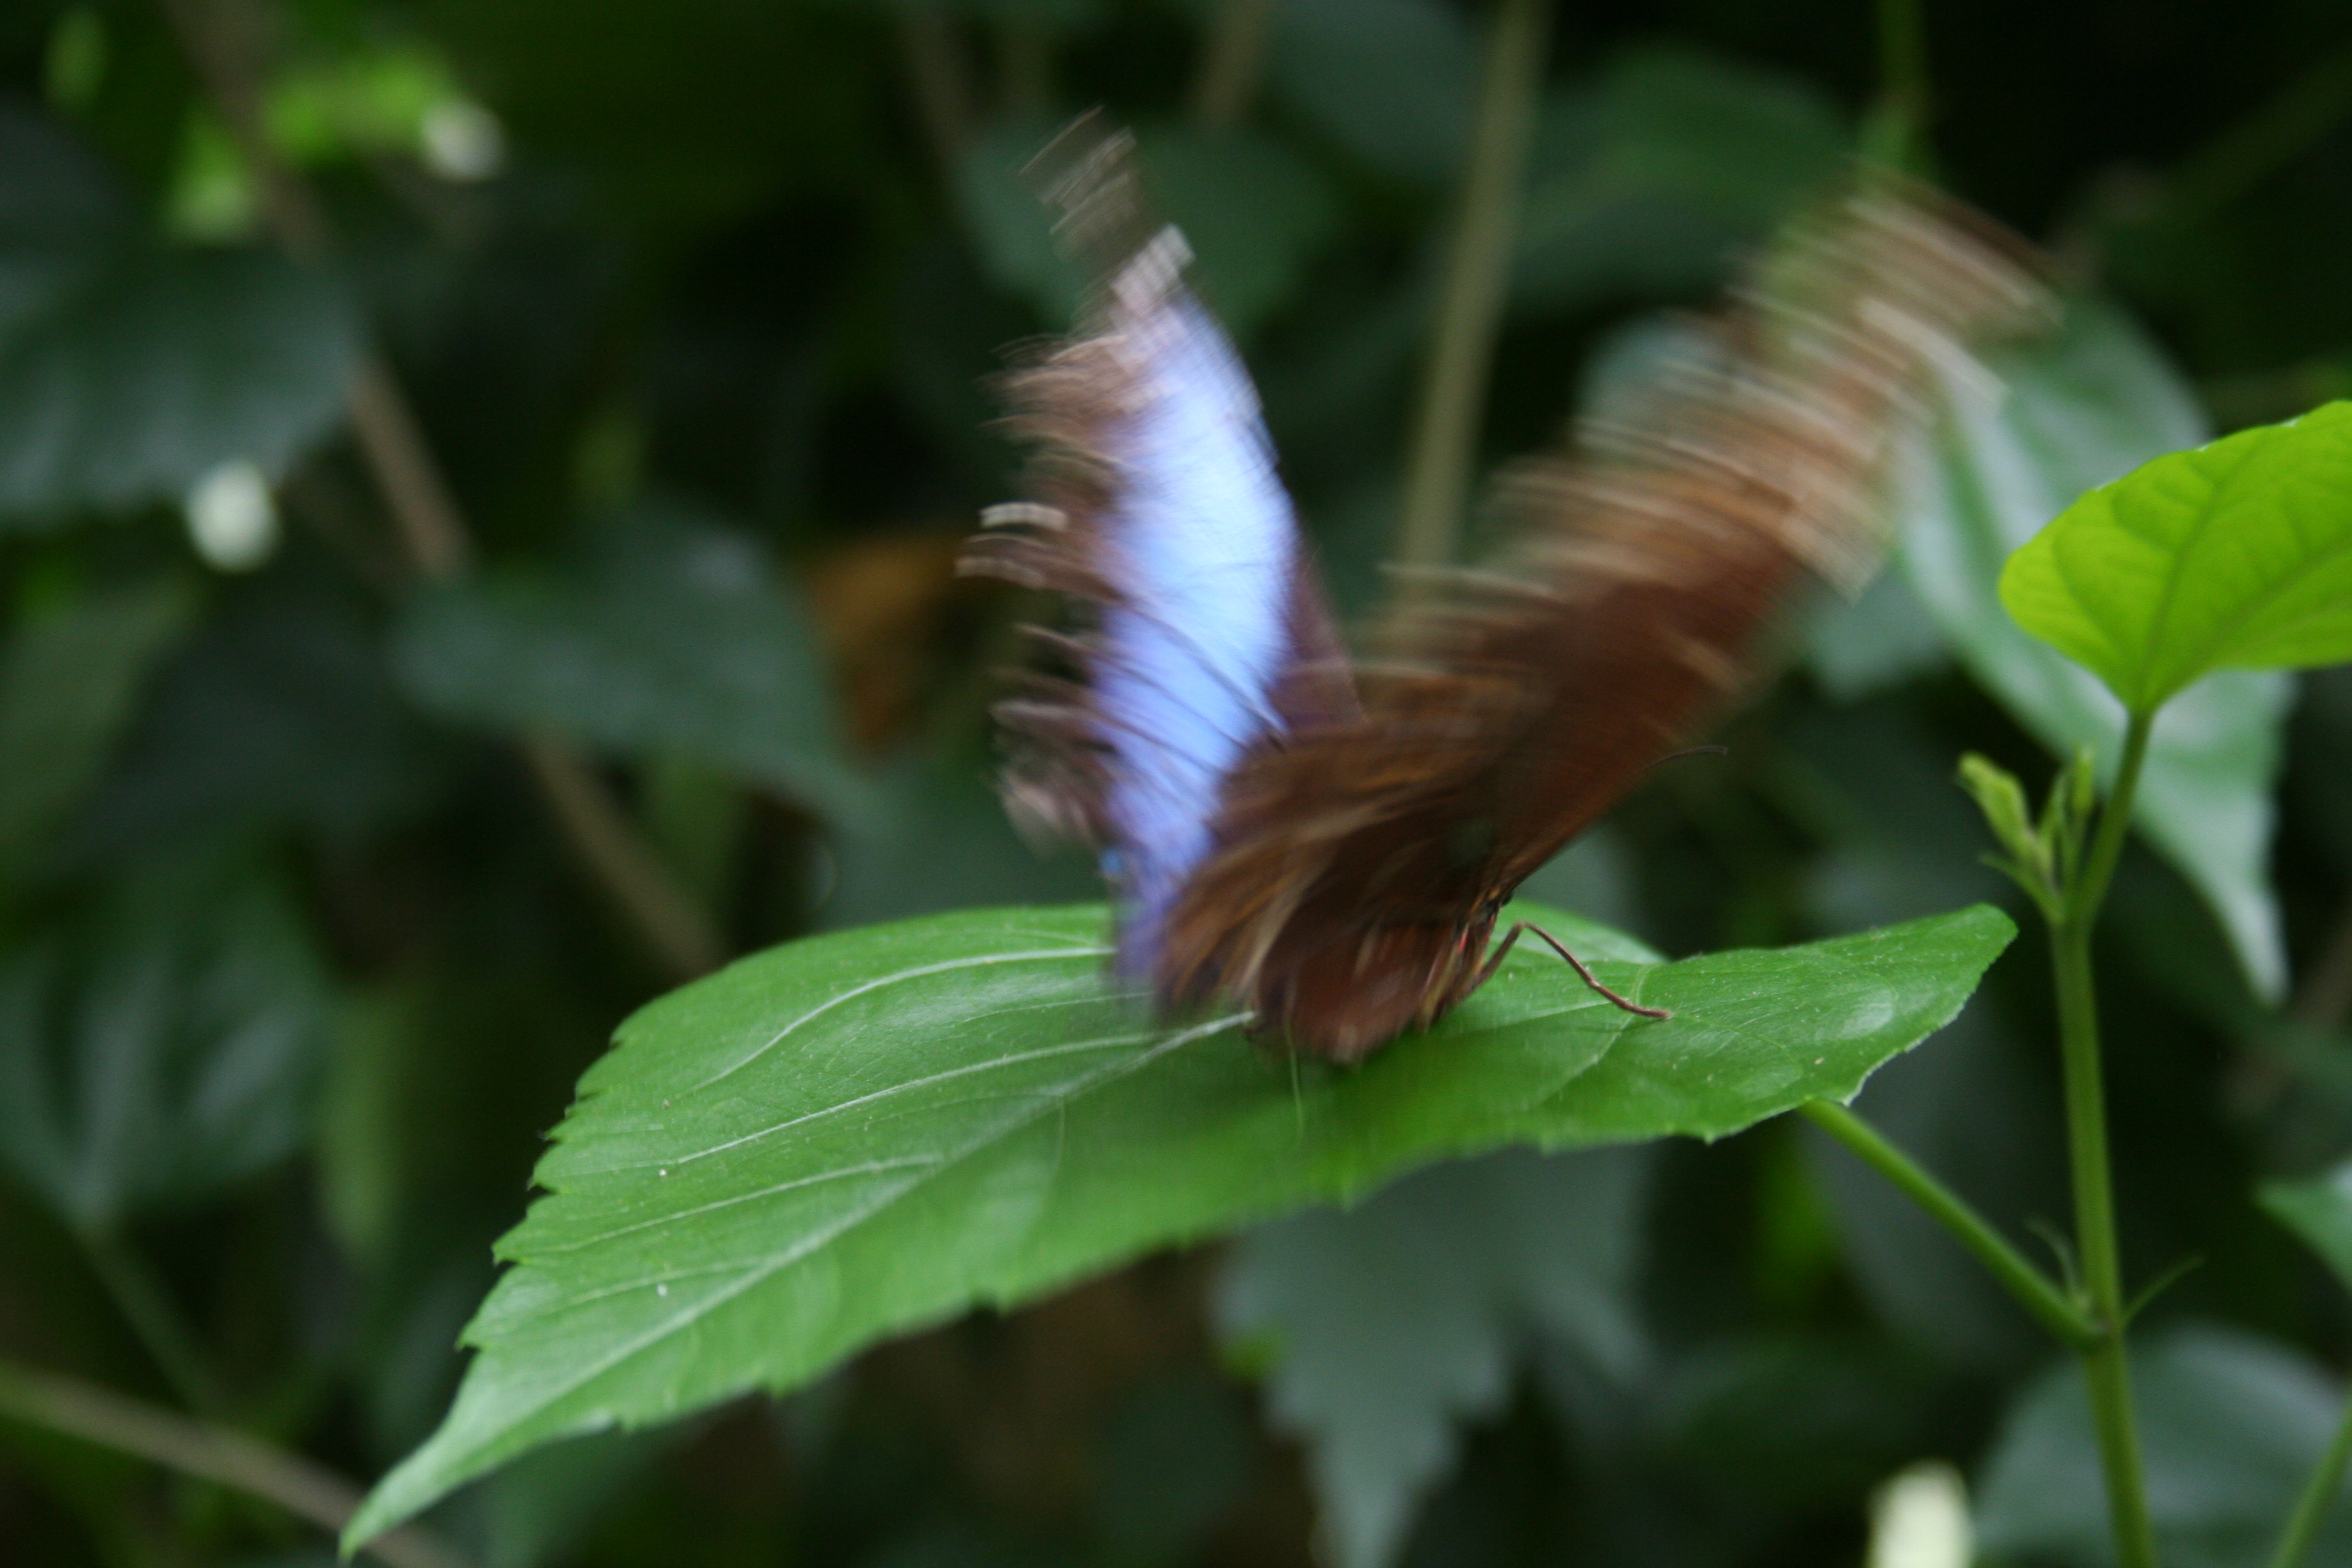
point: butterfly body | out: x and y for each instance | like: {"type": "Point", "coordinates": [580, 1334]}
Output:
{"type": "Point", "coordinates": [1331, 841]}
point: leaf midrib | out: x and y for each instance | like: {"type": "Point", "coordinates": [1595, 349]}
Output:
{"type": "Point", "coordinates": [760, 1272]}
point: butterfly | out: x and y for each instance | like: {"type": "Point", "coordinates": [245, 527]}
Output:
{"type": "Point", "coordinates": [1330, 839]}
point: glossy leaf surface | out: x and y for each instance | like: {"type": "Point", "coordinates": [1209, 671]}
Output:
{"type": "Point", "coordinates": [2232, 556]}
{"type": "Point", "coordinates": [855, 1134]}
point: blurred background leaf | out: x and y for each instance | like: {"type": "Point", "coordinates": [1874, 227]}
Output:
{"type": "Point", "coordinates": [129, 370]}
{"type": "Point", "coordinates": [696, 308]}
{"type": "Point", "coordinates": [2088, 408]}
{"type": "Point", "coordinates": [160, 1044]}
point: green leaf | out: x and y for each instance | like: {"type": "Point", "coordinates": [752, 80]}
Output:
{"type": "Point", "coordinates": [2080, 409]}
{"type": "Point", "coordinates": [1390, 81]}
{"type": "Point", "coordinates": [1172, 1462]}
{"type": "Point", "coordinates": [2230, 1427]}
{"type": "Point", "coordinates": [855, 1134]}
{"type": "Point", "coordinates": [1395, 1322]}
{"type": "Point", "coordinates": [674, 637]}
{"type": "Point", "coordinates": [1652, 177]}
{"type": "Point", "coordinates": [279, 711]}
{"type": "Point", "coordinates": [1012, 228]}
{"type": "Point", "coordinates": [1874, 642]}
{"type": "Point", "coordinates": [1254, 212]}
{"type": "Point", "coordinates": [2320, 1212]}
{"type": "Point", "coordinates": [68, 685]}
{"type": "Point", "coordinates": [160, 1045]}
{"type": "Point", "coordinates": [129, 371]}
{"type": "Point", "coordinates": [2232, 556]}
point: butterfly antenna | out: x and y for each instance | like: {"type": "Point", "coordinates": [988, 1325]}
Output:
{"type": "Point", "coordinates": [1603, 992]}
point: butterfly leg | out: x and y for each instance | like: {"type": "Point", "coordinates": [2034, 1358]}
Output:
{"type": "Point", "coordinates": [1503, 948]}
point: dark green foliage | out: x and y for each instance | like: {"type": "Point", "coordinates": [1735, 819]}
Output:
{"type": "Point", "coordinates": [299, 969]}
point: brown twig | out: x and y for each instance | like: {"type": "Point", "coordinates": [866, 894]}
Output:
{"type": "Point", "coordinates": [1231, 65]}
{"type": "Point", "coordinates": [935, 71]}
{"type": "Point", "coordinates": [79, 1409]}
{"type": "Point", "coordinates": [622, 860]}
{"type": "Point", "coordinates": [226, 40]}
{"type": "Point", "coordinates": [1470, 302]}
{"type": "Point", "coordinates": [2323, 999]}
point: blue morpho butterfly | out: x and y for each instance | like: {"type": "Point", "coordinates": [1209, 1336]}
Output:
{"type": "Point", "coordinates": [1330, 840]}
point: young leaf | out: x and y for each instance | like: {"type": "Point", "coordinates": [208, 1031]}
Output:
{"type": "Point", "coordinates": [855, 1134]}
{"type": "Point", "coordinates": [2080, 410]}
{"type": "Point", "coordinates": [2236, 555]}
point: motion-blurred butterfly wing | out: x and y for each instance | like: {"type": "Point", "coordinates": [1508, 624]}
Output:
{"type": "Point", "coordinates": [1157, 506]}
{"type": "Point", "coordinates": [1348, 855]}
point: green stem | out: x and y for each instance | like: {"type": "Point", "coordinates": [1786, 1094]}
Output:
{"type": "Point", "coordinates": [211, 1453]}
{"type": "Point", "coordinates": [2033, 1290]}
{"type": "Point", "coordinates": [2090, 890]}
{"type": "Point", "coordinates": [2104, 1369]}
{"type": "Point", "coordinates": [1470, 303]}
{"type": "Point", "coordinates": [147, 1308]}
{"type": "Point", "coordinates": [1896, 136]}
{"type": "Point", "coordinates": [2257, 147]}
{"type": "Point", "coordinates": [2311, 1508]}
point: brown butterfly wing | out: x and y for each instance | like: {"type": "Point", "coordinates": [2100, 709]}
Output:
{"type": "Point", "coordinates": [1360, 863]}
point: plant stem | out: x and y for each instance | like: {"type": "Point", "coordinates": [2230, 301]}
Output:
{"type": "Point", "coordinates": [225, 41]}
{"type": "Point", "coordinates": [2090, 890]}
{"type": "Point", "coordinates": [1470, 302]}
{"type": "Point", "coordinates": [1896, 136]}
{"type": "Point", "coordinates": [2258, 146]}
{"type": "Point", "coordinates": [2104, 1369]}
{"type": "Point", "coordinates": [2033, 1290]}
{"type": "Point", "coordinates": [936, 75]}
{"type": "Point", "coordinates": [619, 857]}
{"type": "Point", "coordinates": [2318, 1491]}
{"type": "Point", "coordinates": [1230, 67]}
{"type": "Point", "coordinates": [211, 1453]}
{"type": "Point", "coordinates": [147, 1307]}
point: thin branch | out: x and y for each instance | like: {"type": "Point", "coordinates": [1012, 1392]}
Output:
{"type": "Point", "coordinates": [415, 493]}
{"type": "Point", "coordinates": [2033, 1290]}
{"type": "Point", "coordinates": [2323, 999]}
{"type": "Point", "coordinates": [1232, 63]}
{"type": "Point", "coordinates": [78, 1409]}
{"type": "Point", "coordinates": [153, 1318]}
{"type": "Point", "coordinates": [1470, 303]}
{"type": "Point", "coordinates": [226, 41]}
{"type": "Point", "coordinates": [936, 73]}
{"type": "Point", "coordinates": [2318, 1492]}
{"type": "Point", "coordinates": [2302, 112]}
{"type": "Point", "coordinates": [1024, 66]}
{"type": "Point", "coordinates": [622, 862]}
